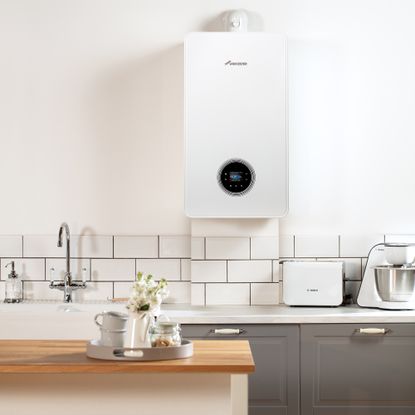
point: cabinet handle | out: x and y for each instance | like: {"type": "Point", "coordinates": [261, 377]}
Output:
{"type": "Point", "coordinates": [372, 330]}
{"type": "Point", "coordinates": [228, 331]}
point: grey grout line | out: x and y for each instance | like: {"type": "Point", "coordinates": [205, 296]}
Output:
{"type": "Point", "coordinates": [113, 246]}
{"type": "Point", "coordinates": [158, 246]}
{"type": "Point", "coordinates": [204, 292]}
{"type": "Point", "coordinates": [250, 248]}
{"type": "Point", "coordinates": [204, 247]}
{"type": "Point", "coordinates": [22, 247]}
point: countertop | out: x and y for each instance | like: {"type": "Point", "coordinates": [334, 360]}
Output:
{"type": "Point", "coordinates": [283, 314]}
{"type": "Point", "coordinates": [12, 316]}
{"type": "Point", "coordinates": [68, 356]}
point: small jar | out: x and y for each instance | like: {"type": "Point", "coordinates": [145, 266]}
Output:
{"type": "Point", "coordinates": [166, 334]}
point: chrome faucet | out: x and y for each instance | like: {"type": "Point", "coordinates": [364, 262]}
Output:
{"type": "Point", "coordinates": [67, 285]}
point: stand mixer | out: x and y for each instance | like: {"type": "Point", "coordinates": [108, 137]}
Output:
{"type": "Point", "coordinates": [389, 277]}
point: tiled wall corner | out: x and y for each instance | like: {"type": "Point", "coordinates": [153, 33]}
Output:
{"type": "Point", "coordinates": [197, 247]}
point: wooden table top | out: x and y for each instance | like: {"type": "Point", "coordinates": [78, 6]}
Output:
{"type": "Point", "coordinates": [69, 356]}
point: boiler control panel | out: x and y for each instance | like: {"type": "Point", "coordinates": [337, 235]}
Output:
{"type": "Point", "coordinates": [236, 177]}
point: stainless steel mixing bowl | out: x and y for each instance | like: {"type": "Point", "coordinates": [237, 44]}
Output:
{"type": "Point", "coordinates": [394, 282]}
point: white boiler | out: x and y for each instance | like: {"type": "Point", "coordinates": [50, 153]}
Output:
{"type": "Point", "coordinates": [235, 125]}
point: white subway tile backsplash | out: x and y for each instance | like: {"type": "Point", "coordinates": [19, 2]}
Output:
{"type": "Point", "coordinates": [223, 270]}
{"type": "Point", "coordinates": [358, 245]}
{"type": "Point", "coordinates": [81, 246]}
{"type": "Point", "coordinates": [160, 268]}
{"type": "Point", "coordinates": [42, 246]}
{"type": "Point", "coordinates": [11, 246]}
{"type": "Point", "coordinates": [94, 291]}
{"type": "Point", "coordinates": [276, 271]}
{"type": "Point", "coordinates": [112, 270]}
{"type": "Point", "coordinates": [86, 246]}
{"type": "Point", "coordinates": [316, 246]}
{"type": "Point", "coordinates": [264, 248]}
{"type": "Point", "coordinates": [198, 248]}
{"type": "Point", "coordinates": [186, 272]}
{"type": "Point", "coordinates": [353, 267]}
{"type": "Point", "coordinates": [135, 246]}
{"type": "Point", "coordinates": [179, 293]}
{"type": "Point", "coordinates": [123, 289]}
{"type": "Point", "coordinates": [265, 294]}
{"type": "Point", "coordinates": [26, 268]}
{"type": "Point", "coordinates": [197, 294]}
{"type": "Point", "coordinates": [59, 268]}
{"type": "Point", "coordinates": [250, 271]}
{"type": "Point", "coordinates": [227, 248]}
{"type": "Point", "coordinates": [208, 271]}
{"type": "Point", "coordinates": [286, 246]}
{"type": "Point", "coordinates": [174, 246]}
{"type": "Point", "coordinates": [227, 294]}
{"type": "Point", "coordinates": [39, 290]}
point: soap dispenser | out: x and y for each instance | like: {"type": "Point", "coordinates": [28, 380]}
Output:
{"type": "Point", "coordinates": [13, 287]}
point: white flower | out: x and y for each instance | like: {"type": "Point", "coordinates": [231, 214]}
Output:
{"type": "Point", "coordinates": [147, 294]}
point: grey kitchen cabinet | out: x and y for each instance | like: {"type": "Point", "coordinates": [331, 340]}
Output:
{"type": "Point", "coordinates": [274, 387]}
{"type": "Point", "coordinates": [344, 372]}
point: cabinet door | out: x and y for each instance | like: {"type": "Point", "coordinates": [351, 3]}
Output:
{"type": "Point", "coordinates": [344, 372]}
{"type": "Point", "coordinates": [274, 386]}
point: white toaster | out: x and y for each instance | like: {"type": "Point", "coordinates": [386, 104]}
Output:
{"type": "Point", "coordinates": [313, 283]}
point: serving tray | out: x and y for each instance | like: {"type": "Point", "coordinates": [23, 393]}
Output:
{"type": "Point", "coordinates": [97, 351]}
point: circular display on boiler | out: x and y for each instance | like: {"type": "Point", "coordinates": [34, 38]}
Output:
{"type": "Point", "coordinates": [236, 177]}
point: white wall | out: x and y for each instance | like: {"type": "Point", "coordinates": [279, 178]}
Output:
{"type": "Point", "coordinates": [91, 113]}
